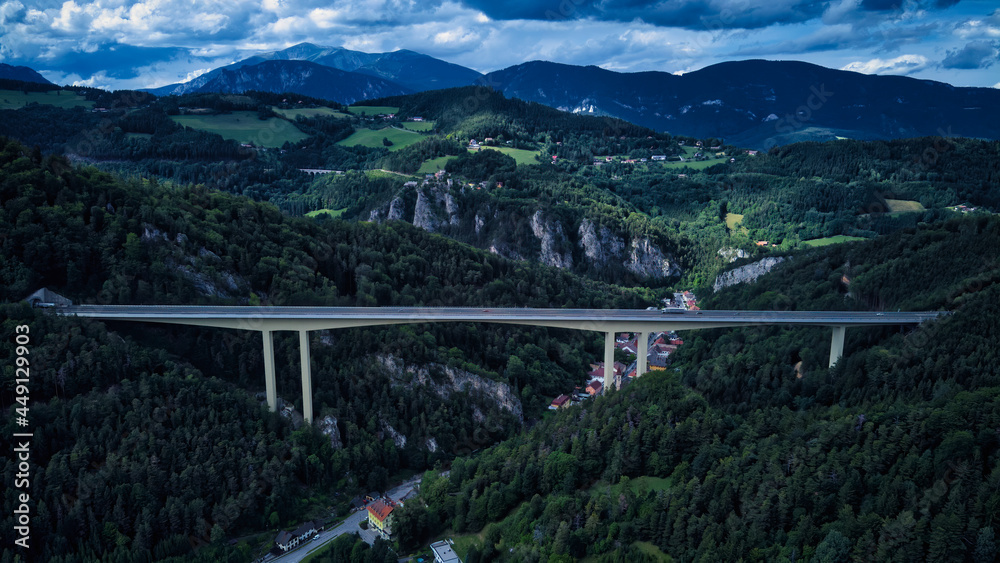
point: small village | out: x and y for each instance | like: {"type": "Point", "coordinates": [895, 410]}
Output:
{"type": "Point", "coordinates": [659, 348]}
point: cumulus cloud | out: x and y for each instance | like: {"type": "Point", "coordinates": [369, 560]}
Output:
{"type": "Point", "coordinates": [904, 64]}
{"type": "Point", "coordinates": [978, 54]}
{"type": "Point", "coordinates": [139, 43]}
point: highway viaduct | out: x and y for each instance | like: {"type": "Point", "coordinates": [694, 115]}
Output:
{"type": "Point", "coordinates": [268, 320]}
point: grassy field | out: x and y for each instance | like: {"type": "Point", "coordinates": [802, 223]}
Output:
{"type": "Point", "coordinates": [433, 165]}
{"type": "Point", "coordinates": [373, 138]}
{"type": "Point", "coordinates": [520, 155]}
{"type": "Point", "coordinates": [15, 99]}
{"type": "Point", "coordinates": [372, 110]}
{"type": "Point", "coordinates": [420, 126]}
{"type": "Point", "coordinates": [830, 240]}
{"type": "Point", "coordinates": [383, 173]}
{"type": "Point", "coordinates": [331, 212]}
{"type": "Point", "coordinates": [464, 542]}
{"type": "Point", "coordinates": [244, 127]}
{"type": "Point", "coordinates": [689, 153]}
{"type": "Point", "coordinates": [308, 112]}
{"type": "Point", "coordinates": [734, 221]}
{"type": "Point", "coordinates": [904, 206]}
{"type": "Point", "coordinates": [651, 550]}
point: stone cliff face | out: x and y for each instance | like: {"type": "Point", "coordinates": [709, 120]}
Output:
{"type": "Point", "coordinates": [552, 237]}
{"type": "Point", "coordinates": [646, 260]}
{"type": "Point", "coordinates": [747, 273]}
{"type": "Point", "coordinates": [456, 380]}
{"type": "Point", "coordinates": [601, 246]}
{"type": "Point", "coordinates": [508, 231]}
{"type": "Point", "coordinates": [643, 258]}
{"type": "Point", "coordinates": [435, 206]}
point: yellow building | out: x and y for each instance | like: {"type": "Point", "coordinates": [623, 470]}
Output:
{"type": "Point", "coordinates": [380, 517]}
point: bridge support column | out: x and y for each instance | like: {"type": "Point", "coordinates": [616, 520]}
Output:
{"type": "Point", "coordinates": [270, 381]}
{"type": "Point", "coordinates": [609, 360]}
{"type": "Point", "coordinates": [642, 349]}
{"type": "Point", "coordinates": [837, 344]}
{"type": "Point", "coordinates": [307, 392]}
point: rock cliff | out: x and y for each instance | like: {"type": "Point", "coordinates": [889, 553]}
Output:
{"type": "Point", "coordinates": [747, 273]}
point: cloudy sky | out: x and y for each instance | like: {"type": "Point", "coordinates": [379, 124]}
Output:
{"type": "Point", "coordinates": [127, 44]}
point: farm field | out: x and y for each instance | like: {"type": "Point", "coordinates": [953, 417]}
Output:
{"type": "Point", "coordinates": [825, 241]}
{"type": "Point", "coordinates": [904, 206]}
{"type": "Point", "coordinates": [522, 156]}
{"type": "Point", "coordinates": [309, 112]}
{"type": "Point", "coordinates": [373, 138]}
{"type": "Point", "coordinates": [419, 126]}
{"type": "Point", "coordinates": [433, 165]}
{"type": "Point", "coordinates": [331, 212]}
{"type": "Point", "coordinates": [15, 99]}
{"type": "Point", "coordinates": [372, 110]}
{"type": "Point", "coordinates": [245, 127]}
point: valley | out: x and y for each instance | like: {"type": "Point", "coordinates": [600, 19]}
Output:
{"type": "Point", "coordinates": [755, 443]}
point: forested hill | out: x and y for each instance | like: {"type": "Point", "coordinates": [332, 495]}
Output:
{"type": "Point", "coordinates": [749, 448]}
{"type": "Point", "coordinates": [148, 439]}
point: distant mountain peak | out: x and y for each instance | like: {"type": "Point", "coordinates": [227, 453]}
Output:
{"type": "Point", "coordinates": [22, 73]}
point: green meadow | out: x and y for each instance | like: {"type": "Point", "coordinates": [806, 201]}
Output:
{"type": "Point", "coordinates": [245, 127]}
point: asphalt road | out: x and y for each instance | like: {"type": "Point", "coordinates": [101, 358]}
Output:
{"type": "Point", "coordinates": [377, 315]}
{"type": "Point", "coordinates": [348, 526]}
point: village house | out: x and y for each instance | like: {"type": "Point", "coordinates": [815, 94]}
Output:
{"type": "Point", "coordinates": [380, 517]}
{"type": "Point", "coordinates": [594, 388]}
{"type": "Point", "coordinates": [560, 402]}
{"type": "Point", "coordinates": [443, 553]}
{"type": "Point", "coordinates": [289, 540]}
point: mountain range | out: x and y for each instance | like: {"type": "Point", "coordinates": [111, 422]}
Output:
{"type": "Point", "coordinates": [760, 103]}
{"type": "Point", "coordinates": [753, 103]}
{"type": "Point", "coordinates": [410, 71]}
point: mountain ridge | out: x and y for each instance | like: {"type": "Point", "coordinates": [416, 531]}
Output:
{"type": "Point", "coordinates": [759, 103]}
{"type": "Point", "coordinates": [22, 73]}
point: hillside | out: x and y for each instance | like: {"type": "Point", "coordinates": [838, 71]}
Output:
{"type": "Point", "coordinates": [22, 73]}
{"type": "Point", "coordinates": [300, 77]}
{"type": "Point", "coordinates": [583, 193]}
{"type": "Point", "coordinates": [748, 447]}
{"type": "Point", "coordinates": [759, 104]}
{"type": "Point", "coordinates": [99, 239]}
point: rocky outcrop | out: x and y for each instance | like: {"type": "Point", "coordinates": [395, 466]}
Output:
{"type": "Point", "coordinates": [600, 245]}
{"type": "Point", "coordinates": [397, 438]}
{"type": "Point", "coordinates": [747, 273]}
{"type": "Point", "coordinates": [328, 426]}
{"type": "Point", "coordinates": [733, 254]}
{"type": "Point", "coordinates": [454, 380]}
{"type": "Point", "coordinates": [435, 206]}
{"type": "Point", "coordinates": [552, 237]}
{"type": "Point", "coordinates": [648, 261]}
{"type": "Point", "coordinates": [423, 213]}
{"type": "Point", "coordinates": [643, 258]}
{"type": "Point", "coordinates": [395, 210]}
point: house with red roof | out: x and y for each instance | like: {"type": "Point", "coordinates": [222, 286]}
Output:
{"type": "Point", "coordinates": [380, 517]}
{"type": "Point", "coordinates": [560, 402]}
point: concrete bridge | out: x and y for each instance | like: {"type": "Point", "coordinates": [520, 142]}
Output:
{"type": "Point", "coordinates": [268, 320]}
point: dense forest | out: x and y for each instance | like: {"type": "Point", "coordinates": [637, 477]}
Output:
{"type": "Point", "coordinates": [749, 448]}
{"type": "Point", "coordinates": [99, 239]}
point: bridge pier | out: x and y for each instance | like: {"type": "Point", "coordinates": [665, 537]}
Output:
{"type": "Point", "coordinates": [837, 344]}
{"type": "Point", "coordinates": [609, 360]}
{"type": "Point", "coordinates": [270, 380]}
{"type": "Point", "coordinates": [307, 393]}
{"type": "Point", "coordinates": [642, 349]}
